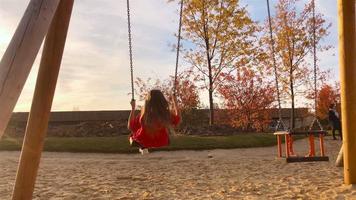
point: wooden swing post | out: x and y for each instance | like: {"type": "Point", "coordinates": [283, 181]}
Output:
{"type": "Point", "coordinates": [20, 55]}
{"type": "Point", "coordinates": [42, 102]}
{"type": "Point", "coordinates": [347, 60]}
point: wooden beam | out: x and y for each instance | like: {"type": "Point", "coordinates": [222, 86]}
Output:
{"type": "Point", "coordinates": [340, 158]}
{"type": "Point", "coordinates": [42, 102]}
{"type": "Point", "coordinates": [20, 55]}
{"type": "Point", "coordinates": [347, 60]}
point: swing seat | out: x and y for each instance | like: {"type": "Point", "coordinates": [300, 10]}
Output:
{"type": "Point", "coordinates": [281, 133]}
{"type": "Point", "coordinates": [307, 159]}
{"type": "Point", "coordinates": [310, 132]}
{"type": "Point", "coordinates": [289, 153]}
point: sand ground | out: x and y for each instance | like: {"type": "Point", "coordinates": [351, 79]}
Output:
{"type": "Point", "coordinates": [253, 173]}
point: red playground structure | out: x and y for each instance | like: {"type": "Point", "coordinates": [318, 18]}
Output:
{"type": "Point", "coordinates": [289, 152]}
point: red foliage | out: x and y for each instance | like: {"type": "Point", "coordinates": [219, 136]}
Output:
{"type": "Point", "coordinates": [247, 97]}
{"type": "Point", "coordinates": [326, 96]}
{"type": "Point", "coordinates": [187, 91]}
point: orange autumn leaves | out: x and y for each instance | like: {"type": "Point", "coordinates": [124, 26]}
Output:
{"type": "Point", "coordinates": [187, 91]}
{"type": "Point", "coordinates": [247, 97]}
{"type": "Point", "coordinates": [327, 95]}
{"type": "Point", "coordinates": [229, 57]}
{"type": "Point", "coordinates": [294, 43]}
{"type": "Point", "coordinates": [220, 36]}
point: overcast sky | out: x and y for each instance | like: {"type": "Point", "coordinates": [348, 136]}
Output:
{"type": "Point", "coordinates": [95, 73]}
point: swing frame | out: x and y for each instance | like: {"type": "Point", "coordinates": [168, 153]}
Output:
{"type": "Point", "coordinates": [51, 18]}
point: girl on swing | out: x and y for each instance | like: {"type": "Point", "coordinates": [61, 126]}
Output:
{"type": "Point", "coordinates": [149, 129]}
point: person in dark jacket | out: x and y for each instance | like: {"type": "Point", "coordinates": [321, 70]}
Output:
{"type": "Point", "coordinates": [334, 120]}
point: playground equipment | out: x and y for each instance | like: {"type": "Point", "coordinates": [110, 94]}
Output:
{"type": "Point", "coordinates": [289, 152]}
{"type": "Point", "coordinates": [43, 18]}
{"type": "Point", "coordinates": [340, 158]}
{"type": "Point", "coordinates": [280, 125]}
{"type": "Point", "coordinates": [347, 65]}
{"type": "Point", "coordinates": [50, 18]}
{"type": "Point", "coordinates": [131, 54]}
{"type": "Point", "coordinates": [280, 128]}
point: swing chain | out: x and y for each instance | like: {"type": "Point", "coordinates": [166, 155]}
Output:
{"type": "Point", "coordinates": [315, 60]}
{"type": "Point", "coordinates": [178, 48]}
{"type": "Point", "coordinates": [280, 120]}
{"type": "Point", "coordinates": [315, 120]}
{"type": "Point", "coordinates": [130, 49]}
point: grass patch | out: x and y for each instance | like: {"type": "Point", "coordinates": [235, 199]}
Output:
{"type": "Point", "coordinates": [120, 144]}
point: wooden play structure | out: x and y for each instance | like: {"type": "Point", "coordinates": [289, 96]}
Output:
{"type": "Point", "coordinates": [49, 20]}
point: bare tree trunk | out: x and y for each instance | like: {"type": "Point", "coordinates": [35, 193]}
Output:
{"type": "Point", "coordinates": [211, 99]}
{"type": "Point", "coordinates": [292, 114]}
{"type": "Point", "coordinates": [293, 111]}
{"type": "Point", "coordinates": [211, 83]}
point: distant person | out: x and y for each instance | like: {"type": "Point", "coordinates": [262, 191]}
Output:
{"type": "Point", "coordinates": [334, 119]}
{"type": "Point", "coordinates": [149, 129]}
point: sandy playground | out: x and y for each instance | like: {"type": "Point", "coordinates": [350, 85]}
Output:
{"type": "Point", "coordinates": [218, 174]}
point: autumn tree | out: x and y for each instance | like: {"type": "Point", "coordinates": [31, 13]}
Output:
{"type": "Point", "coordinates": [247, 96]}
{"type": "Point", "coordinates": [327, 95]}
{"type": "Point", "coordinates": [187, 91]}
{"type": "Point", "coordinates": [220, 37]}
{"type": "Point", "coordinates": [293, 38]}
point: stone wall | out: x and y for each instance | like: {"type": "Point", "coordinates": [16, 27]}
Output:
{"type": "Point", "coordinates": [76, 124]}
{"type": "Point", "coordinates": [113, 123]}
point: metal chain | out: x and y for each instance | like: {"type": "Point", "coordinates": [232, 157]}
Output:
{"type": "Point", "coordinates": [315, 60]}
{"type": "Point", "coordinates": [130, 49]}
{"type": "Point", "coordinates": [316, 120]}
{"type": "Point", "coordinates": [178, 48]}
{"type": "Point", "coordinates": [280, 121]}
{"type": "Point", "coordinates": [315, 73]}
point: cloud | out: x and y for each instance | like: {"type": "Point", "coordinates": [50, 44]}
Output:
{"type": "Point", "coordinates": [95, 72]}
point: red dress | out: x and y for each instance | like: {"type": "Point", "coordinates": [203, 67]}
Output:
{"type": "Point", "coordinates": [159, 138]}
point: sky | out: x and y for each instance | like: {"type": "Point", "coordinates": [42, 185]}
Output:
{"type": "Point", "coordinates": [95, 72]}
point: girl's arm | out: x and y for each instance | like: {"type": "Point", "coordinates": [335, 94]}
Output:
{"type": "Point", "coordinates": [132, 113]}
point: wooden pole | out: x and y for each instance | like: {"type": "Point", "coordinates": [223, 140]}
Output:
{"type": "Point", "coordinates": [18, 58]}
{"type": "Point", "coordinates": [347, 42]}
{"type": "Point", "coordinates": [340, 158]}
{"type": "Point", "coordinates": [42, 102]}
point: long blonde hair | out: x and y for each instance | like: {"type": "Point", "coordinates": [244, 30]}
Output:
{"type": "Point", "coordinates": [155, 111]}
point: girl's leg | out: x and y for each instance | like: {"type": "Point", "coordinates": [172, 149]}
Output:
{"type": "Point", "coordinates": [133, 143]}
{"type": "Point", "coordinates": [143, 151]}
